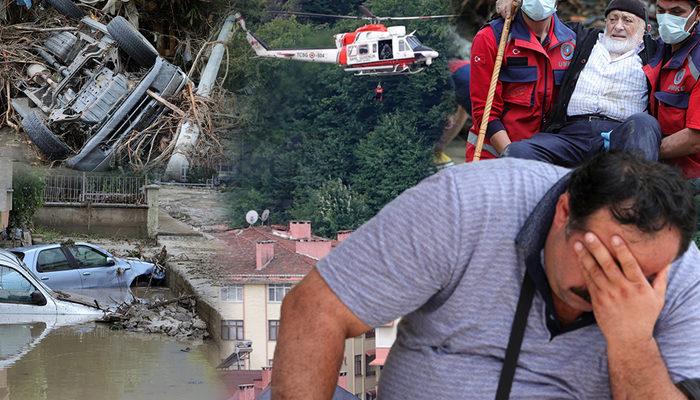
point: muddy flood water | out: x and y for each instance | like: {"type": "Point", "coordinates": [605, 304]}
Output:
{"type": "Point", "coordinates": [58, 359]}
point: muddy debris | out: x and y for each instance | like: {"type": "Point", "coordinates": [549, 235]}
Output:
{"type": "Point", "coordinates": [176, 318]}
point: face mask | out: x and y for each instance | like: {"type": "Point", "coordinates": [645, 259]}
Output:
{"type": "Point", "coordinates": [672, 28]}
{"type": "Point", "coordinates": [539, 10]}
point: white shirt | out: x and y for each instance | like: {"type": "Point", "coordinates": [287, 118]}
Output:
{"type": "Point", "coordinates": [614, 88]}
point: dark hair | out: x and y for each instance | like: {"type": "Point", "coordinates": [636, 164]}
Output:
{"type": "Point", "coordinates": [646, 194]}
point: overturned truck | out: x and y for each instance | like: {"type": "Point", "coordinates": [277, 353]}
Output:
{"type": "Point", "coordinates": [84, 100]}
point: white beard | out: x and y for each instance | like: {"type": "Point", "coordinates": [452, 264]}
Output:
{"type": "Point", "coordinates": [619, 47]}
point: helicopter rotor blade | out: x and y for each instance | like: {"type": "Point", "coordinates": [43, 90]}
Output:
{"type": "Point", "coordinates": [424, 17]}
{"type": "Point", "coordinates": [306, 14]}
{"type": "Point", "coordinates": [366, 12]}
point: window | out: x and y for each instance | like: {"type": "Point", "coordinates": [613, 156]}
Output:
{"type": "Point", "coordinates": [374, 48]}
{"type": "Point", "coordinates": [402, 45]}
{"type": "Point", "coordinates": [232, 293]}
{"type": "Point", "coordinates": [273, 327]}
{"type": "Point", "coordinates": [232, 329]}
{"type": "Point", "coordinates": [15, 288]}
{"type": "Point", "coordinates": [87, 257]}
{"type": "Point", "coordinates": [369, 334]}
{"type": "Point", "coordinates": [277, 291]}
{"type": "Point", "coordinates": [370, 368]}
{"type": "Point", "coordinates": [413, 42]}
{"type": "Point", "coordinates": [52, 260]}
{"type": "Point", "coordinates": [358, 365]}
{"type": "Point", "coordinates": [364, 49]}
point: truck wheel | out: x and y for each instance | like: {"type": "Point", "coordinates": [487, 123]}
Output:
{"type": "Point", "coordinates": [67, 8]}
{"type": "Point", "coordinates": [132, 42]}
{"type": "Point", "coordinates": [42, 137]}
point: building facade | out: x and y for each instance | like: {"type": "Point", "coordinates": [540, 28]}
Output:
{"type": "Point", "coordinates": [264, 264]}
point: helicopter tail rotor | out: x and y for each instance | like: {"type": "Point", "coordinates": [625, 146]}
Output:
{"type": "Point", "coordinates": [240, 20]}
{"type": "Point", "coordinates": [258, 45]}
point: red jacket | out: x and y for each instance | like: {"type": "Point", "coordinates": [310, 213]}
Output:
{"type": "Point", "coordinates": [675, 99]}
{"type": "Point", "coordinates": [528, 81]}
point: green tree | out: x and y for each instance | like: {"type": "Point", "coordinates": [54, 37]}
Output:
{"type": "Point", "coordinates": [391, 159]}
{"type": "Point", "coordinates": [332, 207]}
{"type": "Point", "coordinates": [27, 197]}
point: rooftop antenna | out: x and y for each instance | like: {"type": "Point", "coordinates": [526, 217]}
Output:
{"type": "Point", "coordinates": [265, 215]}
{"type": "Point", "coordinates": [251, 217]}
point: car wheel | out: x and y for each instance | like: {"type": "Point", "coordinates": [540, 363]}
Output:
{"type": "Point", "coordinates": [67, 8]}
{"type": "Point", "coordinates": [42, 137]}
{"type": "Point", "coordinates": [132, 42]}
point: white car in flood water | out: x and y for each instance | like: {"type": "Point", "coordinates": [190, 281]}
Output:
{"type": "Point", "coordinates": [22, 296]}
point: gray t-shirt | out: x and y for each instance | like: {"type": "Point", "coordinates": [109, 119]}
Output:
{"type": "Point", "coordinates": [444, 256]}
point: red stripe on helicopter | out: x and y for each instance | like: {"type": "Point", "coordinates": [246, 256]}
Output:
{"type": "Point", "coordinates": [386, 62]}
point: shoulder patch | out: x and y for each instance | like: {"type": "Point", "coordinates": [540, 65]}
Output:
{"type": "Point", "coordinates": [567, 51]}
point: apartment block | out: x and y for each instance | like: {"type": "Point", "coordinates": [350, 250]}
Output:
{"type": "Point", "coordinates": [264, 264]}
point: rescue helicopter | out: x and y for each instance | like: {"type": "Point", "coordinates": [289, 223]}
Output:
{"type": "Point", "coordinates": [372, 49]}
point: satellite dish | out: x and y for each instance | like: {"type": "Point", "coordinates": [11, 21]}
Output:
{"type": "Point", "coordinates": [265, 215]}
{"type": "Point", "coordinates": [251, 216]}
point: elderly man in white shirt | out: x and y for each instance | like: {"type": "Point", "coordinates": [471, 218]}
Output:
{"type": "Point", "coordinates": [603, 98]}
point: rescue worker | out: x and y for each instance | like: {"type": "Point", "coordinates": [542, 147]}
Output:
{"type": "Point", "coordinates": [537, 55]}
{"type": "Point", "coordinates": [379, 92]}
{"type": "Point", "coordinates": [459, 73]}
{"type": "Point", "coordinates": [676, 93]}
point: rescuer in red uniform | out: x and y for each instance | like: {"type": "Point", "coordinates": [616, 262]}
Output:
{"type": "Point", "coordinates": [537, 55]}
{"type": "Point", "coordinates": [676, 95]}
{"type": "Point", "coordinates": [379, 92]}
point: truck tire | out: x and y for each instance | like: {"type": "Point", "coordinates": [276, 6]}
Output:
{"type": "Point", "coordinates": [67, 8]}
{"type": "Point", "coordinates": [134, 44]}
{"type": "Point", "coordinates": [42, 137]}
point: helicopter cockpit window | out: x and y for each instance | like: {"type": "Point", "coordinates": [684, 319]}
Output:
{"type": "Point", "coordinates": [413, 42]}
{"type": "Point", "coordinates": [364, 49]}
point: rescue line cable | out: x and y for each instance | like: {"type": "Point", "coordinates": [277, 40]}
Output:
{"type": "Point", "coordinates": [492, 87]}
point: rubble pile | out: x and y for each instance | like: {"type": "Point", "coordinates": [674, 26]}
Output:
{"type": "Point", "coordinates": [176, 318]}
{"type": "Point", "coordinates": [154, 145]}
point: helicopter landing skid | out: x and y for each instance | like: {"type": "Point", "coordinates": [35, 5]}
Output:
{"type": "Point", "coordinates": [385, 71]}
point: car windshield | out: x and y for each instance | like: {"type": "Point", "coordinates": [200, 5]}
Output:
{"type": "Point", "coordinates": [413, 42]}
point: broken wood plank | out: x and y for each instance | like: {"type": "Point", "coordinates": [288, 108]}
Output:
{"type": "Point", "coordinates": [166, 103]}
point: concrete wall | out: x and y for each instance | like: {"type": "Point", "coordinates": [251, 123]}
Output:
{"type": "Point", "coordinates": [95, 218]}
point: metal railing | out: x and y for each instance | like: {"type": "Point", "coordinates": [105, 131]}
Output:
{"type": "Point", "coordinates": [94, 189]}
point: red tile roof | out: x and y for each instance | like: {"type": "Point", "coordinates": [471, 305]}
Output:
{"type": "Point", "coordinates": [286, 266]}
